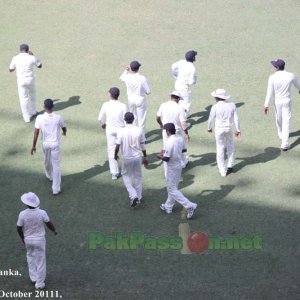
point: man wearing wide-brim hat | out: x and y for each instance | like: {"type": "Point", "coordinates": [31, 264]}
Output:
{"type": "Point", "coordinates": [225, 116]}
{"type": "Point", "coordinates": [279, 88]}
{"type": "Point", "coordinates": [31, 229]}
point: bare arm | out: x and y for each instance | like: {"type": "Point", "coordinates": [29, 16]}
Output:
{"type": "Point", "coordinates": [35, 137]}
{"type": "Point", "coordinates": [117, 151]}
{"type": "Point", "coordinates": [20, 232]}
{"type": "Point", "coordinates": [158, 120]}
{"type": "Point", "coordinates": [64, 130]}
{"type": "Point", "coordinates": [51, 227]}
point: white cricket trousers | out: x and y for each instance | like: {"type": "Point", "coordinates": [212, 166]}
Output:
{"type": "Point", "coordinates": [224, 139]}
{"type": "Point", "coordinates": [173, 178]}
{"type": "Point", "coordinates": [27, 97]}
{"type": "Point", "coordinates": [52, 164]}
{"type": "Point", "coordinates": [138, 106]}
{"type": "Point", "coordinates": [36, 259]}
{"type": "Point", "coordinates": [185, 93]}
{"type": "Point", "coordinates": [132, 172]}
{"type": "Point", "coordinates": [283, 113]}
{"type": "Point", "coordinates": [111, 137]}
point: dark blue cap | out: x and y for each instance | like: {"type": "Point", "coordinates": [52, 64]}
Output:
{"type": "Point", "coordinates": [115, 92]}
{"type": "Point", "coordinates": [135, 65]}
{"type": "Point", "coordinates": [48, 103]}
{"type": "Point", "coordinates": [129, 117]}
{"type": "Point", "coordinates": [170, 127]}
{"type": "Point", "coordinates": [24, 47]}
{"type": "Point", "coordinates": [278, 64]}
{"type": "Point", "coordinates": [190, 55]}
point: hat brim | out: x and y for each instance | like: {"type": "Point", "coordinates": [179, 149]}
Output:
{"type": "Point", "coordinates": [171, 94]}
{"type": "Point", "coordinates": [274, 63]}
{"type": "Point", "coordinates": [225, 97]}
{"type": "Point", "coordinates": [28, 202]}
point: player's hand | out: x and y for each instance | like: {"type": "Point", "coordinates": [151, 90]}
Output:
{"type": "Point", "coordinates": [30, 53]}
{"type": "Point", "coordinates": [64, 134]}
{"type": "Point", "coordinates": [209, 130]}
{"type": "Point", "coordinates": [127, 68]}
{"type": "Point", "coordinates": [103, 126]}
{"type": "Point", "coordinates": [145, 162]}
{"type": "Point", "coordinates": [33, 150]}
{"type": "Point", "coordinates": [266, 110]}
{"type": "Point", "coordinates": [161, 126]}
{"type": "Point", "coordinates": [116, 157]}
{"type": "Point", "coordinates": [238, 134]}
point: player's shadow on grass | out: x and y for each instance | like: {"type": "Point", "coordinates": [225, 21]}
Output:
{"type": "Point", "coordinates": [187, 179]}
{"type": "Point", "coordinates": [204, 159]}
{"type": "Point", "coordinates": [202, 116]}
{"type": "Point", "coordinates": [297, 141]}
{"type": "Point", "coordinates": [74, 100]}
{"type": "Point", "coordinates": [72, 179]}
{"type": "Point", "coordinates": [153, 161]}
{"type": "Point", "coordinates": [269, 154]}
{"type": "Point", "coordinates": [153, 136]}
{"type": "Point", "coordinates": [215, 195]}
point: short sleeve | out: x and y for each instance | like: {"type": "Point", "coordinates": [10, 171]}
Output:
{"type": "Point", "coordinates": [20, 221]}
{"type": "Point", "coordinates": [12, 65]}
{"type": "Point", "coordinates": [45, 216]}
{"type": "Point", "coordinates": [62, 122]}
{"type": "Point", "coordinates": [159, 112]}
{"type": "Point", "coordinates": [37, 62]}
{"type": "Point", "coordinates": [38, 122]}
{"type": "Point", "coordinates": [168, 149]}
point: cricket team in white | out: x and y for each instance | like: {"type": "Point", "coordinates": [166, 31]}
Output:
{"type": "Point", "coordinates": [125, 128]}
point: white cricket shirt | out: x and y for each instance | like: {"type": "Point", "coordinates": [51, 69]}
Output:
{"type": "Point", "coordinates": [225, 115]}
{"type": "Point", "coordinates": [32, 221]}
{"type": "Point", "coordinates": [112, 114]}
{"type": "Point", "coordinates": [137, 84]}
{"type": "Point", "coordinates": [184, 72]}
{"type": "Point", "coordinates": [174, 146]}
{"type": "Point", "coordinates": [131, 141]}
{"type": "Point", "coordinates": [279, 86]}
{"type": "Point", "coordinates": [172, 112]}
{"type": "Point", "coordinates": [23, 63]}
{"type": "Point", "coordinates": [50, 125]}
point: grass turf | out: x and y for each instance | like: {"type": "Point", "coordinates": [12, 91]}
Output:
{"type": "Point", "coordinates": [84, 46]}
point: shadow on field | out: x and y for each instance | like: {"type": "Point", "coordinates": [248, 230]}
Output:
{"type": "Point", "coordinates": [74, 100]}
{"type": "Point", "coordinates": [215, 195]}
{"type": "Point", "coordinates": [269, 154]}
{"type": "Point", "coordinates": [154, 162]}
{"type": "Point", "coordinates": [202, 116]}
{"type": "Point", "coordinates": [204, 159]}
{"type": "Point", "coordinates": [297, 141]}
{"type": "Point", "coordinates": [153, 136]}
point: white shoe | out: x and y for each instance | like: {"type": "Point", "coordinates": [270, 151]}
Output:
{"type": "Point", "coordinates": [163, 207]}
{"type": "Point", "coordinates": [223, 174]}
{"type": "Point", "coordinates": [286, 148]}
{"type": "Point", "coordinates": [114, 177]}
{"type": "Point", "coordinates": [191, 211]}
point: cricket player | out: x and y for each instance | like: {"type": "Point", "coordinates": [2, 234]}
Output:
{"type": "Point", "coordinates": [111, 118]}
{"type": "Point", "coordinates": [172, 156]}
{"type": "Point", "coordinates": [137, 89]}
{"type": "Point", "coordinates": [23, 63]}
{"type": "Point", "coordinates": [131, 143]}
{"type": "Point", "coordinates": [31, 229]}
{"type": "Point", "coordinates": [224, 115]}
{"type": "Point", "coordinates": [51, 125]}
{"type": "Point", "coordinates": [279, 88]}
{"type": "Point", "coordinates": [172, 112]}
{"type": "Point", "coordinates": [184, 72]}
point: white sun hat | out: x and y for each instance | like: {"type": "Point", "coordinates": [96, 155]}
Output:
{"type": "Point", "coordinates": [30, 199]}
{"type": "Point", "coordinates": [220, 93]}
{"type": "Point", "coordinates": [175, 93]}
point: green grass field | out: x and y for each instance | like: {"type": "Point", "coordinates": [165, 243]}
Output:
{"type": "Point", "coordinates": [84, 47]}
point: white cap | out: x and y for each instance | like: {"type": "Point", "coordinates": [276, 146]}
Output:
{"type": "Point", "coordinates": [220, 93]}
{"type": "Point", "coordinates": [30, 199]}
{"type": "Point", "coordinates": [175, 93]}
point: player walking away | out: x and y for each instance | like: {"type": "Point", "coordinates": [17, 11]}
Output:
{"type": "Point", "coordinates": [184, 72]}
{"type": "Point", "coordinates": [172, 156]}
{"type": "Point", "coordinates": [31, 229]}
{"type": "Point", "coordinates": [111, 118]}
{"type": "Point", "coordinates": [131, 143]}
{"type": "Point", "coordinates": [51, 125]}
{"type": "Point", "coordinates": [172, 112]}
{"type": "Point", "coordinates": [279, 88]}
{"type": "Point", "coordinates": [23, 63]}
{"type": "Point", "coordinates": [225, 115]}
{"type": "Point", "coordinates": [137, 89]}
